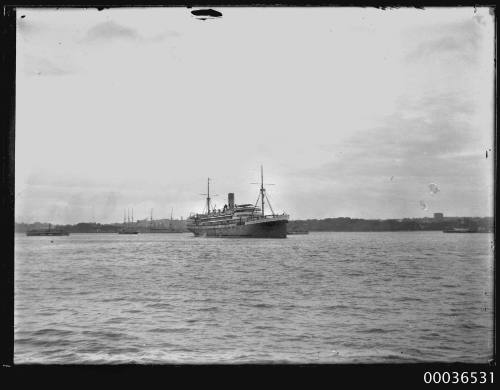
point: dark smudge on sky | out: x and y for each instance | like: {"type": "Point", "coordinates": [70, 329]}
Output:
{"type": "Point", "coordinates": [203, 14]}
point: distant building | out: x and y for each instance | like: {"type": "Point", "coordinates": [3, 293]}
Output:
{"type": "Point", "coordinates": [438, 216]}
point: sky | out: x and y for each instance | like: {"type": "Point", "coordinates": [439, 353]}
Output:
{"type": "Point", "coordinates": [353, 112]}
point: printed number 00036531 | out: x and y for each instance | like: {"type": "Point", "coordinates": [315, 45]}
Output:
{"type": "Point", "coordinates": [458, 377]}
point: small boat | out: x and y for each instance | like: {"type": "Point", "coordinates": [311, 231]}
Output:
{"type": "Point", "coordinates": [298, 232]}
{"type": "Point", "coordinates": [460, 230]}
{"type": "Point", "coordinates": [47, 232]}
{"type": "Point", "coordinates": [164, 230]}
{"type": "Point", "coordinates": [128, 231]}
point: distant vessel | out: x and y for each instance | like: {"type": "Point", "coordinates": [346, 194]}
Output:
{"type": "Point", "coordinates": [127, 229]}
{"type": "Point", "coordinates": [47, 232]}
{"type": "Point", "coordinates": [161, 228]}
{"type": "Point", "coordinates": [461, 230]}
{"type": "Point", "coordinates": [243, 220]}
{"type": "Point", "coordinates": [298, 232]}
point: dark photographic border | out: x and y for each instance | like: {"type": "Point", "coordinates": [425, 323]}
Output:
{"type": "Point", "coordinates": [300, 374]}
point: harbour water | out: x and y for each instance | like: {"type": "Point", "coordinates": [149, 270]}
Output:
{"type": "Point", "coordinates": [318, 298]}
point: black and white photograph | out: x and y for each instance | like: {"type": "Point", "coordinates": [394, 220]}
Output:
{"type": "Point", "coordinates": [254, 185]}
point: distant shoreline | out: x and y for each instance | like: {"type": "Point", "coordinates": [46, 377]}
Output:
{"type": "Point", "coordinates": [482, 224]}
{"type": "Point", "coordinates": [391, 225]}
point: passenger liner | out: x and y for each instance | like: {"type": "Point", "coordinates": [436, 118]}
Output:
{"type": "Point", "coordinates": [239, 220]}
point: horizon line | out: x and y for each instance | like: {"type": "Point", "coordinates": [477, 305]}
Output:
{"type": "Point", "coordinates": [298, 219]}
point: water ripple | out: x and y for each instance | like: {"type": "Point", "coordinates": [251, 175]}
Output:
{"type": "Point", "coordinates": [323, 297]}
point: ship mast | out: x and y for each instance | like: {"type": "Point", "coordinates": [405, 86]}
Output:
{"type": "Point", "coordinates": [208, 196]}
{"type": "Point", "coordinates": [262, 190]}
{"type": "Point", "coordinates": [262, 194]}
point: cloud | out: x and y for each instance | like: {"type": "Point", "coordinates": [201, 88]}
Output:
{"type": "Point", "coordinates": [431, 137]}
{"type": "Point", "coordinates": [109, 31]}
{"type": "Point", "coordinates": [28, 28]}
{"type": "Point", "coordinates": [37, 66]}
{"type": "Point", "coordinates": [164, 35]}
{"type": "Point", "coordinates": [460, 40]}
{"type": "Point", "coordinates": [62, 198]}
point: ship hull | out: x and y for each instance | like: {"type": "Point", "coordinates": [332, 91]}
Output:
{"type": "Point", "coordinates": [47, 234]}
{"type": "Point", "coordinates": [460, 231]}
{"type": "Point", "coordinates": [267, 229]}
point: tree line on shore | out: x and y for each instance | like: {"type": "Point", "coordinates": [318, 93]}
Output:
{"type": "Point", "coordinates": [327, 224]}
{"type": "Point", "coordinates": [82, 227]}
{"type": "Point", "coordinates": [380, 225]}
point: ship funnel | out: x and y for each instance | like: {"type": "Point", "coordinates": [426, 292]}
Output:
{"type": "Point", "coordinates": [230, 200]}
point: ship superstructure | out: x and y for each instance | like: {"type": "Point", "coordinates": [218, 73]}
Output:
{"type": "Point", "coordinates": [239, 220]}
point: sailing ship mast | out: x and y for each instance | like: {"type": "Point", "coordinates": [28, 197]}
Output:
{"type": "Point", "coordinates": [262, 189]}
{"type": "Point", "coordinates": [208, 196]}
